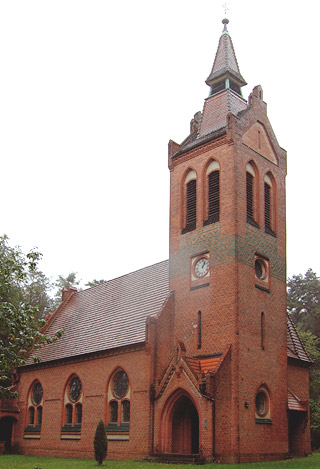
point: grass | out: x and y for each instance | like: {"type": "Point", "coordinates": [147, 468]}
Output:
{"type": "Point", "coordinates": [33, 462]}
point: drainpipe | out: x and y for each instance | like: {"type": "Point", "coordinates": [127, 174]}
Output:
{"type": "Point", "coordinates": [152, 399]}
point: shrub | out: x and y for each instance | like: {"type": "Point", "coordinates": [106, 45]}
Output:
{"type": "Point", "coordinates": [100, 443]}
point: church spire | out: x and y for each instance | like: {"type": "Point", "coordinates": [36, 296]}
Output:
{"type": "Point", "coordinates": [225, 71]}
{"type": "Point", "coordinates": [225, 81]}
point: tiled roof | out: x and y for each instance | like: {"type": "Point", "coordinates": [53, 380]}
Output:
{"type": "Point", "coordinates": [109, 315]}
{"type": "Point", "coordinates": [225, 60]}
{"type": "Point", "coordinates": [295, 346]}
{"type": "Point", "coordinates": [216, 109]}
{"type": "Point", "coordinates": [294, 402]}
{"type": "Point", "coordinates": [113, 314]}
{"type": "Point", "coordinates": [203, 365]}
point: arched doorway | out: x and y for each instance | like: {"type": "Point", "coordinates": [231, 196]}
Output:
{"type": "Point", "coordinates": [180, 425]}
{"type": "Point", "coordinates": [6, 424]}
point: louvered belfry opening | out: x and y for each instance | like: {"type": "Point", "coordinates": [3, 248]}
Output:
{"type": "Point", "coordinates": [249, 197]}
{"type": "Point", "coordinates": [191, 206]}
{"type": "Point", "coordinates": [250, 200]}
{"type": "Point", "coordinates": [268, 210]}
{"type": "Point", "coordinates": [213, 197]}
{"type": "Point", "coordinates": [267, 206]}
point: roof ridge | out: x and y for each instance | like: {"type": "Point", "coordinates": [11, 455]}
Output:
{"type": "Point", "coordinates": [124, 275]}
{"type": "Point", "coordinates": [296, 351]}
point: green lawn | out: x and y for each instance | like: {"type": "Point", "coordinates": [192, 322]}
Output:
{"type": "Point", "coordinates": [31, 462]}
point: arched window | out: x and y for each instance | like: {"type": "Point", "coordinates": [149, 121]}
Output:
{"type": "Point", "coordinates": [190, 191]}
{"type": "Point", "coordinates": [119, 403]}
{"type": "Point", "coordinates": [125, 411]}
{"type": "Point", "coordinates": [251, 195]}
{"type": "Point", "coordinates": [73, 397]}
{"type": "Point", "coordinates": [78, 414]}
{"type": "Point", "coordinates": [39, 416]}
{"type": "Point", "coordinates": [269, 207]}
{"type": "Point", "coordinates": [213, 193]}
{"type": "Point", "coordinates": [262, 405]}
{"type": "Point", "coordinates": [31, 415]}
{"type": "Point", "coordinates": [69, 414]}
{"type": "Point", "coordinates": [113, 412]}
{"type": "Point", "coordinates": [35, 406]}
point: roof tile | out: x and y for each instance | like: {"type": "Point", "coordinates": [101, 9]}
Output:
{"type": "Point", "coordinates": [108, 315]}
{"type": "Point", "coordinates": [295, 346]}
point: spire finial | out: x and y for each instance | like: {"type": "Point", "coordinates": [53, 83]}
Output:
{"type": "Point", "coordinates": [225, 7]}
{"type": "Point", "coordinates": [225, 21]}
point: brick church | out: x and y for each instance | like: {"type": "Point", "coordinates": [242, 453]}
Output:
{"type": "Point", "coordinates": [193, 358]}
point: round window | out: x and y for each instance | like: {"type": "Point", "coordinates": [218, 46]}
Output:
{"type": "Point", "coordinates": [260, 269]}
{"type": "Point", "coordinates": [75, 389]}
{"type": "Point", "coordinates": [37, 393]}
{"type": "Point", "coordinates": [120, 384]}
{"type": "Point", "coordinates": [261, 403]}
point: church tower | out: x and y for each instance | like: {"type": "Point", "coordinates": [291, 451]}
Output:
{"type": "Point", "coordinates": [227, 259]}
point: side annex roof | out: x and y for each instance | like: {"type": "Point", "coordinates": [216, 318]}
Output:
{"type": "Point", "coordinates": [110, 315]}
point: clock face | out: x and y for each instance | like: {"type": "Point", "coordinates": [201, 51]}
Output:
{"type": "Point", "coordinates": [202, 267]}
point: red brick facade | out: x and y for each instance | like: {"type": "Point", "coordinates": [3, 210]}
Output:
{"type": "Point", "coordinates": [204, 347]}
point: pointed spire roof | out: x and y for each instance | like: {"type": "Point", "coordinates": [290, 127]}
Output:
{"type": "Point", "coordinates": [225, 62]}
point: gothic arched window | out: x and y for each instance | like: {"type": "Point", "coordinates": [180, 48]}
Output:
{"type": "Point", "coordinates": [118, 402]}
{"type": "Point", "coordinates": [190, 206]}
{"type": "Point", "coordinates": [73, 397]}
{"type": "Point", "coordinates": [251, 194]}
{"type": "Point", "coordinates": [212, 196]}
{"type": "Point", "coordinates": [269, 205]}
{"type": "Point", "coordinates": [35, 405]}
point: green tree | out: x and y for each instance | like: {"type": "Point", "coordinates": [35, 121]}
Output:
{"type": "Point", "coordinates": [20, 325]}
{"type": "Point", "coordinates": [304, 309]}
{"type": "Point", "coordinates": [304, 301]}
{"type": "Point", "coordinates": [100, 443]}
{"type": "Point", "coordinates": [94, 282]}
{"type": "Point", "coordinates": [311, 344]}
{"type": "Point", "coordinates": [36, 293]}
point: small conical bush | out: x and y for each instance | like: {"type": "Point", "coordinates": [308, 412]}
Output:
{"type": "Point", "coordinates": [100, 443]}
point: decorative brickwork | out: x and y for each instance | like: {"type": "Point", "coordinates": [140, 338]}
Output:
{"type": "Point", "coordinates": [228, 248]}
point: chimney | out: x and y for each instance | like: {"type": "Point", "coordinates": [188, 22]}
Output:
{"type": "Point", "coordinates": [67, 292]}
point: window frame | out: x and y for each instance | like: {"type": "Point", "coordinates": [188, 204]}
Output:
{"type": "Point", "coordinates": [115, 406]}
{"type": "Point", "coordinates": [34, 414]}
{"type": "Point", "coordinates": [263, 416]}
{"type": "Point", "coordinates": [269, 199]}
{"type": "Point", "coordinates": [211, 193]}
{"type": "Point", "coordinates": [72, 407]}
{"type": "Point", "coordinates": [252, 199]}
{"type": "Point", "coordinates": [189, 205]}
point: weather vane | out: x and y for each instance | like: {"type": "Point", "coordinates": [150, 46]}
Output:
{"type": "Point", "coordinates": [225, 7]}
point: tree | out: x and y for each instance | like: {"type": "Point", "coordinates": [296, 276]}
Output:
{"type": "Point", "coordinates": [304, 309]}
{"type": "Point", "coordinates": [100, 443]}
{"type": "Point", "coordinates": [36, 293]}
{"type": "Point", "coordinates": [20, 325]}
{"type": "Point", "coordinates": [311, 344]}
{"type": "Point", "coordinates": [94, 282]}
{"type": "Point", "coordinates": [304, 301]}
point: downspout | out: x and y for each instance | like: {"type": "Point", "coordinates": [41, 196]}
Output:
{"type": "Point", "coordinates": [152, 386]}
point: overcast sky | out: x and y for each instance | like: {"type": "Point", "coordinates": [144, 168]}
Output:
{"type": "Point", "coordinates": [92, 91]}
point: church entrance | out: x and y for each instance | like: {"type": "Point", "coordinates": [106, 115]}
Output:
{"type": "Point", "coordinates": [297, 425]}
{"type": "Point", "coordinates": [180, 425]}
{"type": "Point", "coordinates": [185, 427]}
